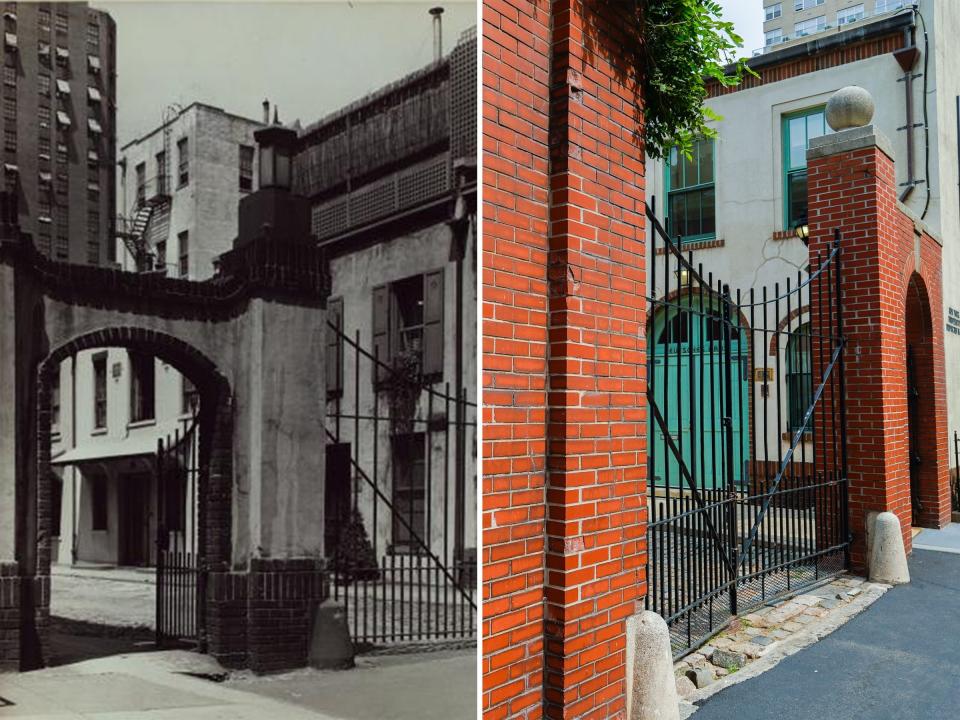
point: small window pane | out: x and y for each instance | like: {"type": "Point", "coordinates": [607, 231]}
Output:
{"type": "Point", "coordinates": [798, 142]}
{"type": "Point", "coordinates": [796, 197]}
{"type": "Point", "coordinates": [705, 150]}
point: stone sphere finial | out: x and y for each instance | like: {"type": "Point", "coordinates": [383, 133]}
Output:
{"type": "Point", "coordinates": [849, 107]}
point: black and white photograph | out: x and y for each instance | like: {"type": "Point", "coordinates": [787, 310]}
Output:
{"type": "Point", "coordinates": [238, 360]}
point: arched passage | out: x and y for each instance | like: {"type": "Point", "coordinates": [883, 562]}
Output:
{"type": "Point", "coordinates": [215, 420]}
{"type": "Point", "coordinates": [921, 406]}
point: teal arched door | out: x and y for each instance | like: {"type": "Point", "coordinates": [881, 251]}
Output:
{"type": "Point", "coordinates": [686, 347]}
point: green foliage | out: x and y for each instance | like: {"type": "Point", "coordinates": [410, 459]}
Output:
{"type": "Point", "coordinates": [679, 46]}
{"type": "Point", "coordinates": [354, 557]}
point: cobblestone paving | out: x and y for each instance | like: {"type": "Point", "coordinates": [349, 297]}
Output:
{"type": "Point", "coordinates": [758, 633]}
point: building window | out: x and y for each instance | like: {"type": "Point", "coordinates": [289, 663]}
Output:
{"type": "Point", "coordinates": [798, 129]}
{"type": "Point", "coordinates": [43, 50]}
{"type": "Point", "coordinates": [409, 492]}
{"type": "Point", "coordinates": [889, 5]}
{"type": "Point", "coordinates": [93, 251]}
{"type": "Point", "coordinates": [189, 397]}
{"type": "Point", "coordinates": [850, 15]}
{"type": "Point", "coordinates": [161, 158]}
{"type": "Point", "coordinates": [63, 23]}
{"type": "Point", "coordinates": [55, 402]}
{"type": "Point", "coordinates": [63, 254]}
{"type": "Point", "coordinates": [98, 501]}
{"type": "Point", "coordinates": [142, 386]}
{"type": "Point", "coordinates": [808, 27]}
{"type": "Point", "coordinates": [246, 168]}
{"type": "Point", "coordinates": [806, 4]}
{"type": "Point", "coordinates": [141, 171]}
{"type": "Point", "coordinates": [62, 183]}
{"type": "Point", "coordinates": [10, 108]}
{"type": "Point", "coordinates": [772, 12]}
{"type": "Point", "coordinates": [691, 213]}
{"type": "Point", "coordinates": [45, 244]}
{"type": "Point", "coordinates": [43, 116]}
{"type": "Point", "coordinates": [56, 502]}
{"type": "Point", "coordinates": [43, 19]}
{"type": "Point", "coordinates": [99, 391]}
{"type": "Point", "coordinates": [408, 325]}
{"type": "Point", "coordinates": [799, 376]}
{"type": "Point", "coordinates": [93, 221]}
{"type": "Point", "coordinates": [161, 251]}
{"type": "Point", "coordinates": [43, 84]}
{"type": "Point", "coordinates": [10, 139]}
{"type": "Point", "coordinates": [10, 75]}
{"type": "Point", "coordinates": [43, 147]}
{"type": "Point", "coordinates": [183, 162]}
{"type": "Point", "coordinates": [183, 239]}
{"type": "Point", "coordinates": [63, 153]}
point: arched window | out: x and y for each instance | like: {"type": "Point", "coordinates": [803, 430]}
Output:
{"type": "Point", "coordinates": [799, 376]}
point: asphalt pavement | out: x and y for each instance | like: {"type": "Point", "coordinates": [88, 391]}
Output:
{"type": "Point", "coordinates": [899, 659]}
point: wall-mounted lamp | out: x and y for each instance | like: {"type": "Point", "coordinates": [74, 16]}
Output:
{"type": "Point", "coordinates": [802, 229]}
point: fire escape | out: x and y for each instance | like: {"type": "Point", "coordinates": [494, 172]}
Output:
{"type": "Point", "coordinates": [153, 199]}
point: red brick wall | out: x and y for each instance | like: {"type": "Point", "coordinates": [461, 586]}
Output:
{"type": "Point", "coordinates": [564, 432]}
{"type": "Point", "coordinates": [881, 250]}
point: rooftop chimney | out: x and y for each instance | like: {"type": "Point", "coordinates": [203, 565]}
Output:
{"type": "Point", "coordinates": [266, 112]}
{"type": "Point", "coordinates": [437, 32]}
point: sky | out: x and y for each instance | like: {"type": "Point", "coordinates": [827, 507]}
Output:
{"type": "Point", "coordinates": [747, 17]}
{"type": "Point", "coordinates": [308, 58]}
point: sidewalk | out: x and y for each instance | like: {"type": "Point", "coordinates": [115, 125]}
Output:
{"type": "Point", "coordinates": [151, 685]}
{"type": "Point", "coordinates": [899, 659]}
{"type": "Point", "coordinates": [437, 685]}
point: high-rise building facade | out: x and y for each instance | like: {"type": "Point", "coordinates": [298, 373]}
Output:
{"type": "Point", "coordinates": [58, 94]}
{"type": "Point", "coordinates": [794, 21]}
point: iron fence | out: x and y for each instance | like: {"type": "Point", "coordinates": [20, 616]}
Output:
{"type": "Point", "coordinates": [747, 483]}
{"type": "Point", "coordinates": [398, 464]}
{"type": "Point", "coordinates": [955, 475]}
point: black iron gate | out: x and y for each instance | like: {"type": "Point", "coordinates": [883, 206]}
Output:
{"type": "Point", "coordinates": [179, 557]}
{"type": "Point", "coordinates": [400, 472]}
{"type": "Point", "coordinates": [747, 483]}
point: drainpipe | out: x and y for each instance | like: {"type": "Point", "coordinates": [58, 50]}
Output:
{"type": "Point", "coordinates": [907, 57]}
{"type": "Point", "coordinates": [73, 468]}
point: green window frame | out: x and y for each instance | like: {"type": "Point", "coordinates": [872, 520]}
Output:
{"type": "Point", "coordinates": [799, 377]}
{"type": "Point", "coordinates": [691, 210]}
{"type": "Point", "coordinates": [797, 129]}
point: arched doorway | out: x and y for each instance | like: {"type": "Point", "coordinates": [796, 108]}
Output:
{"type": "Point", "coordinates": [688, 377]}
{"type": "Point", "coordinates": [921, 405]}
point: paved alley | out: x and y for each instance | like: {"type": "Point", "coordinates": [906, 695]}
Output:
{"type": "Point", "coordinates": [908, 640]}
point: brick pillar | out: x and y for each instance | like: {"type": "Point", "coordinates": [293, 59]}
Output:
{"type": "Point", "coordinates": [596, 510]}
{"type": "Point", "coordinates": [516, 68]}
{"type": "Point", "coordinates": [564, 410]}
{"type": "Point", "coordinates": [852, 188]}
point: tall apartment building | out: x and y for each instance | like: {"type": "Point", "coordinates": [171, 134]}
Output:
{"type": "Point", "coordinates": [180, 186]}
{"type": "Point", "coordinates": [59, 109]}
{"type": "Point", "coordinates": [794, 21]}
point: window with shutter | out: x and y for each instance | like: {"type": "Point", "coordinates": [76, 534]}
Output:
{"type": "Point", "coordinates": [334, 357]}
{"type": "Point", "coordinates": [432, 363]}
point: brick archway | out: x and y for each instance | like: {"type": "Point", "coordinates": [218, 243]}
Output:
{"type": "Point", "coordinates": [924, 446]}
{"type": "Point", "coordinates": [231, 336]}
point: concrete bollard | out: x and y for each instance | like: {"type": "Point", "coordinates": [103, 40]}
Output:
{"type": "Point", "coordinates": [888, 558]}
{"type": "Point", "coordinates": [651, 685]}
{"type": "Point", "coordinates": [330, 644]}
